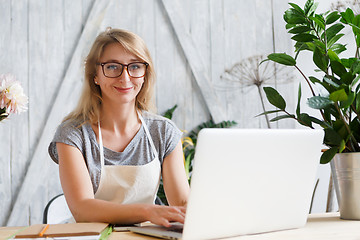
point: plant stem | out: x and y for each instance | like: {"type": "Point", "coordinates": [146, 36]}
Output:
{"type": "Point", "coordinates": [300, 121]}
{"type": "Point", "coordinates": [312, 90]}
{"type": "Point", "coordinates": [354, 109]}
{"type": "Point", "coordinates": [352, 138]}
{"type": "Point", "coordinates": [263, 106]}
{"type": "Point", "coordinates": [306, 79]}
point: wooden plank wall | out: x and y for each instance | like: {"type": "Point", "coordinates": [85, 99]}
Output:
{"type": "Point", "coordinates": [39, 39]}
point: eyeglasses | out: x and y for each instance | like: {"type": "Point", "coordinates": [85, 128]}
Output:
{"type": "Point", "coordinates": [114, 69]}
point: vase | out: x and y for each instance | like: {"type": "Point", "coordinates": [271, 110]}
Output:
{"type": "Point", "coordinates": [345, 168]}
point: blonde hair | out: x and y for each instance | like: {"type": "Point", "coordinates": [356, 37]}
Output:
{"type": "Point", "coordinates": [88, 108]}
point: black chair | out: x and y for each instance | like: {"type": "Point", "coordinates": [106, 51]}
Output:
{"type": "Point", "coordinates": [57, 211]}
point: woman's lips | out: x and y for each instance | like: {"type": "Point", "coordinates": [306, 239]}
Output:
{"type": "Point", "coordinates": [122, 89]}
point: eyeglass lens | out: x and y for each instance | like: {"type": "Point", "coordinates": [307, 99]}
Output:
{"type": "Point", "coordinates": [114, 70]}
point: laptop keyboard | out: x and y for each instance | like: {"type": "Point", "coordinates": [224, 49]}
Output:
{"type": "Point", "coordinates": [176, 228]}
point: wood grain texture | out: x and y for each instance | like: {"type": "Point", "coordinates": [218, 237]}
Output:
{"type": "Point", "coordinates": [192, 42]}
{"type": "Point", "coordinates": [65, 100]}
{"type": "Point", "coordinates": [196, 62]}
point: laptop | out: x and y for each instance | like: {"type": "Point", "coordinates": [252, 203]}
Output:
{"type": "Point", "coordinates": [248, 181]}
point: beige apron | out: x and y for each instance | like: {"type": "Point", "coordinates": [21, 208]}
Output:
{"type": "Point", "coordinates": [129, 184]}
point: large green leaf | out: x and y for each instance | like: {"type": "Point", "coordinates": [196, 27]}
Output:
{"type": "Point", "coordinates": [356, 25]}
{"type": "Point", "coordinates": [310, 7]}
{"type": "Point", "coordinates": [288, 26]}
{"type": "Point", "coordinates": [275, 98]}
{"type": "Point", "coordinates": [328, 155]}
{"type": "Point", "coordinates": [269, 112]}
{"type": "Point", "coordinates": [332, 138]}
{"type": "Point", "coordinates": [347, 16]}
{"type": "Point", "coordinates": [281, 117]}
{"type": "Point", "coordinates": [333, 56]}
{"type": "Point", "coordinates": [331, 82]}
{"type": "Point", "coordinates": [320, 59]}
{"type": "Point", "coordinates": [339, 95]}
{"type": "Point", "coordinates": [300, 29]}
{"type": "Point", "coordinates": [333, 30]}
{"type": "Point", "coordinates": [337, 68]}
{"type": "Point", "coordinates": [303, 37]}
{"type": "Point", "coordinates": [338, 48]}
{"type": "Point", "coordinates": [333, 40]}
{"type": "Point", "coordinates": [319, 20]}
{"type": "Point", "coordinates": [314, 80]}
{"type": "Point", "coordinates": [332, 17]}
{"type": "Point", "coordinates": [348, 101]}
{"type": "Point", "coordinates": [297, 8]}
{"type": "Point", "coordinates": [348, 62]}
{"type": "Point", "coordinates": [355, 67]}
{"type": "Point", "coordinates": [340, 127]}
{"type": "Point", "coordinates": [347, 78]}
{"type": "Point", "coordinates": [309, 45]}
{"type": "Point", "coordinates": [304, 119]}
{"type": "Point", "coordinates": [282, 58]}
{"type": "Point", "coordinates": [291, 16]}
{"type": "Point", "coordinates": [320, 45]}
{"type": "Point", "coordinates": [169, 113]}
{"type": "Point", "coordinates": [318, 102]}
{"type": "Point", "coordinates": [320, 122]}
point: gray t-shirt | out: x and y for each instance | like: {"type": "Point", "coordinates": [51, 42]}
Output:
{"type": "Point", "coordinates": [138, 152]}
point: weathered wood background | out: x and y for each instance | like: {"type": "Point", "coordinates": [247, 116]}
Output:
{"type": "Point", "coordinates": [193, 42]}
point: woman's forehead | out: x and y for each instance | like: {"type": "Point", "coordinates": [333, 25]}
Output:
{"type": "Point", "coordinates": [115, 51]}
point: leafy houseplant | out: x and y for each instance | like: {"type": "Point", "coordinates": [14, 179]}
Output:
{"type": "Point", "coordinates": [189, 144]}
{"type": "Point", "coordinates": [339, 98]}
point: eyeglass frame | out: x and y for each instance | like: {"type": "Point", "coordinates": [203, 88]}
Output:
{"type": "Point", "coordinates": [122, 70]}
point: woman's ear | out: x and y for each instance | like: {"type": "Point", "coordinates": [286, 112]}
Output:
{"type": "Point", "coordinates": [95, 80]}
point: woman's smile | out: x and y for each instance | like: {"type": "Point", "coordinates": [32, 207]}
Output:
{"type": "Point", "coordinates": [124, 89]}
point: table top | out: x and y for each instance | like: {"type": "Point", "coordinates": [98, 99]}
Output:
{"type": "Point", "coordinates": [318, 227]}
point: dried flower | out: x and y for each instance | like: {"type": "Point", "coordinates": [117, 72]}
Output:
{"type": "Point", "coordinates": [12, 97]}
{"type": "Point", "coordinates": [342, 5]}
{"type": "Point", "coordinates": [249, 72]}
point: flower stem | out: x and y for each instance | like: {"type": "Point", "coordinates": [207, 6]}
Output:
{"type": "Point", "coordinates": [263, 106]}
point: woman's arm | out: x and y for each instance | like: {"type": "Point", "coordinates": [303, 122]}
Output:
{"type": "Point", "coordinates": [175, 181]}
{"type": "Point", "coordinates": [78, 191]}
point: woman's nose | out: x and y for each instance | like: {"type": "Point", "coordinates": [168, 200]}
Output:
{"type": "Point", "coordinates": [124, 75]}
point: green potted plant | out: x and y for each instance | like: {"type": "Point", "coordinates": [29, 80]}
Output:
{"type": "Point", "coordinates": [189, 144]}
{"type": "Point", "coordinates": [339, 100]}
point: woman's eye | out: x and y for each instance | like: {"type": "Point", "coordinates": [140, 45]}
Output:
{"type": "Point", "coordinates": [134, 66]}
{"type": "Point", "coordinates": [112, 67]}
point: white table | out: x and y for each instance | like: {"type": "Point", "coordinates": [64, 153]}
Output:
{"type": "Point", "coordinates": [325, 226]}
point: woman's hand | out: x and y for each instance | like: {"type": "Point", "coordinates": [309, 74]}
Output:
{"type": "Point", "coordinates": [163, 215]}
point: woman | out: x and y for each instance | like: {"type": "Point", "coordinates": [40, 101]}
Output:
{"type": "Point", "coordinates": [111, 151]}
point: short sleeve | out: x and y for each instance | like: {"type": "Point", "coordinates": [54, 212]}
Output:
{"type": "Point", "coordinates": [172, 137]}
{"type": "Point", "coordinates": [67, 133]}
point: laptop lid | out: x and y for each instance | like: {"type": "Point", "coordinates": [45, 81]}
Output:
{"type": "Point", "coordinates": [248, 181]}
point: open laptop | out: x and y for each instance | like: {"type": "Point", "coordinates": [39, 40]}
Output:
{"type": "Point", "coordinates": [248, 181]}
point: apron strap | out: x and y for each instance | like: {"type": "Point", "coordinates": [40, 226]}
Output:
{"type": "Point", "coordinates": [148, 135]}
{"type": "Point", "coordinates": [102, 161]}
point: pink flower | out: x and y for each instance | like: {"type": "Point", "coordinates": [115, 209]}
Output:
{"type": "Point", "coordinates": [12, 97]}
